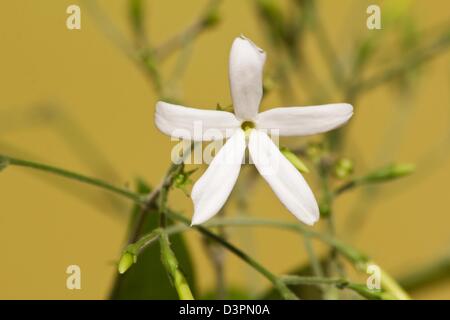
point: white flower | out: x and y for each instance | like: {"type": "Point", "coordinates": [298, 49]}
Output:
{"type": "Point", "coordinates": [247, 126]}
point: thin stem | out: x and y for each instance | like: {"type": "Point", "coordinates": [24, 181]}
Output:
{"type": "Point", "coordinates": [350, 253]}
{"type": "Point", "coordinates": [216, 255]}
{"type": "Point", "coordinates": [345, 187]}
{"type": "Point", "coordinates": [301, 280]}
{"type": "Point", "coordinates": [285, 292]}
{"type": "Point", "coordinates": [359, 261]}
{"type": "Point", "coordinates": [143, 56]}
{"type": "Point", "coordinates": [392, 286]}
{"type": "Point", "coordinates": [338, 283]}
{"type": "Point", "coordinates": [430, 274]}
{"type": "Point", "coordinates": [328, 52]}
{"type": "Point", "coordinates": [314, 260]}
{"type": "Point", "coordinates": [72, 175]}
{"type": "Point", "coordinates": [170, 262]}
{"type": "Point", "coordinates": [186, 36]}
{"type": "Point", "coordinates": [417, 58]}
{"type": "Point", "coordinates": [160, 194]}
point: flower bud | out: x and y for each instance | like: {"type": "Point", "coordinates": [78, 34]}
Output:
{"type": "Point", "coordinates": [295, 160]}
{"type": "Point", "coordinates": [389, 172]}
{"type": "Point", "coordinates": [343, 168]}
{"type": "Point", "coordinates": [126, 261]}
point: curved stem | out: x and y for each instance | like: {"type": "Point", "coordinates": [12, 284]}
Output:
{"type": "Point", "coordinates": [351, 254]}
{"type": "Point", "coordinates": [282, 288]}
{"type": "Point", "coordinates": [72, 175]}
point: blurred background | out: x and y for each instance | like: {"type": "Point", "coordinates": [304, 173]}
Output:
{"type": "Point", "coordinates": [73, 98]}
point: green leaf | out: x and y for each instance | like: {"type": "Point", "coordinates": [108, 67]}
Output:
{"type": "Point", "coordinates": [147, 278]}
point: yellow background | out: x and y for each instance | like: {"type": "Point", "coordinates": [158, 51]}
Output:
{"type": "Point", "coordinates": [44, 228]}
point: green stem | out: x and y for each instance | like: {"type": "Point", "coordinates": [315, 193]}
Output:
{"type": "Point", "coordinates": [390, 285]}
{"type": "Point", "coordinates": [359, 260]}
{"type": "Point", "coordinates": [71, 175]}
{"type": "Point", "coordinates": [350, 253]}
{"type": "Point", "coordinates": [170, 262]}
{"type": "Point", "coordinates": [414, 60]}
{"type": "Point", "coordinates": [427, 275]}
{"type": "Point", "coordinates": [206, 19]}
{"type": "Point", "coordinates": [314, 260]}
{"type": "Point", "coordinates": [303, 280]}
{"type": "Point", "coordinates": [285, 292]}
{"type": "Point", "coordinates": [338, 283]}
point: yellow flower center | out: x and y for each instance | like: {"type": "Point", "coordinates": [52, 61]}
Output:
{"type": "Point", "coordinates": [247, 126]}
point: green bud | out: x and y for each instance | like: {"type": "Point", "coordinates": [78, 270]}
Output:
{"type": "Point", "coordinates": [389, 172]}
{"type": "Point", "coordinates": [295, 160]}
{"type": "Point", "coordinates": [343, 168]}
{"type": "Point", "coordinates": [181, 180]}
{"type": "Point", "coordinates": [4, 162]}
{"type": "Point", "coordinates": [126, 261]}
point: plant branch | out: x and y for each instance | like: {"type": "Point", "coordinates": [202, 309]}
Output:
{"type": "Point", "coordinates": [71, 175]}
{"type": "Point", "coordinates": [414, 60]}
{"type": "Point", "coordinates": [430, 274]}
{"type": "Point", "coordinates": [170, 262]}
{"type": "Point", "coordinates": [354, 256]}
{"type": "Point", "coordinates": [206, 19]}
{"type": "Point", "coordinates": [285, 292]}
{"type": "Point", "coordinates": [159, 194]}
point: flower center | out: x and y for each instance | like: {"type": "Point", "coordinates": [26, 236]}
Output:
{"type": "Point", "coordinates": [247, 125]}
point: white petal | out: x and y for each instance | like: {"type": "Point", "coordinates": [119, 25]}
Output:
{"type": "Point", "coordinates": [300, 121]}
{"type": "Point", "coordinates": [284, 179]}
{"type": "Point", "coordinates": [246, 73]}
{"type": "Point", "coordinates": [194, 124]}
{"type": "Point", "coordinates": [213, 188]}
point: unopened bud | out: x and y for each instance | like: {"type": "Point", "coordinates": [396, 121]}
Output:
{"type": "Point", "coordinates": [126, 261]}
{"type": "Point", "coordinates": [390, 172]}
{"type": "Point", "coordinates": [294, 159]}
{"type": "Point", "coordinates": [343, 168]}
